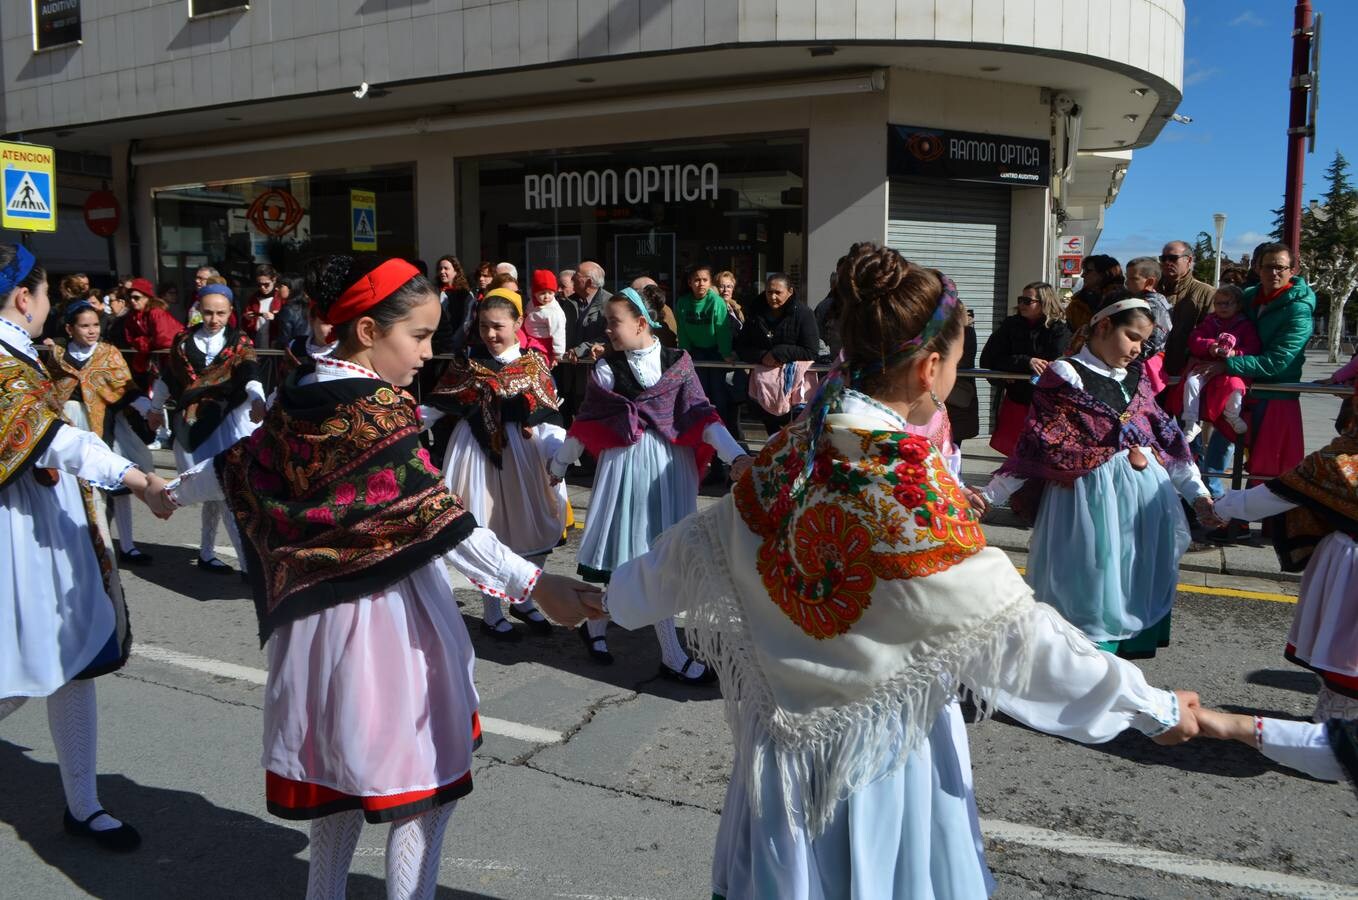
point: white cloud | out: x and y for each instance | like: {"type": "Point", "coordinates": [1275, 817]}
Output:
{"type": "Point", "coordinates": [1198, 76]}
{"type": "Point", "coordinates": [1248, 17]}
{"type": "Point", "coordinates": [1243, 244]}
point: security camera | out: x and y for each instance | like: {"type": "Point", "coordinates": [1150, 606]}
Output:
{"type": "Point", "coordinates": [362, 91]}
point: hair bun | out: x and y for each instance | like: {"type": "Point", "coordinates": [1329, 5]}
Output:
{"type": "Point", "coordinates": [329, 276]}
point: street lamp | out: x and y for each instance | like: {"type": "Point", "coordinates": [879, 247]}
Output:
{"type": "Point", "coordinates": [1219, 220]}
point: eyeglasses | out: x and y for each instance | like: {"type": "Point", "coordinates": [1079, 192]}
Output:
{"type": "Point", "coordinates": [264, 284]}
{"type": "Point", "coordinates": [1172, 257]}
{"type": "Point", "coordinates": [1026, 301]}
{"type": "Point", "coordinates": [1286, 268]}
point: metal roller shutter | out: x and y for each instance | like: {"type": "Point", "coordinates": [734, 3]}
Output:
{"type": "Point", "coordinates": [963, 230]}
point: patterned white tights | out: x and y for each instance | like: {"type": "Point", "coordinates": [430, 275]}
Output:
{"type": "Point", "coordinates": [413, 849]}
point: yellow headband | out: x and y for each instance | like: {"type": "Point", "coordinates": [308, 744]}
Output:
{"type": "Point", "coordinates": [509, 295]}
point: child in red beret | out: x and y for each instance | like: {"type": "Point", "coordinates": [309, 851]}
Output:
{"type": "Point", "coordinates": [545, 319]}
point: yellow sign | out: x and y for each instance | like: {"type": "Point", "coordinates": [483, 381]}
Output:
{"type": "Point", "coordinates": [29, 187]}
{"type": "Point", "coordinates": [363, 220]}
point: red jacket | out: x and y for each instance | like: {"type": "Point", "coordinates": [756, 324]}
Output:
{"type": "Point", "coordinates": [150, 329]}
{"type": "Point", "coordinates": [252, 311]}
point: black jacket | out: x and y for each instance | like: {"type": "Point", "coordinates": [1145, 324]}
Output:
{"type": "Point", "coordinates": [293, 321]}
{"type": "Point", "coordinates": [1014, 344]}
{"type": "Point", "coordinates": [789, 334]}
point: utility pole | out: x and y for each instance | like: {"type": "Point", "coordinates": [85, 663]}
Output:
{"type": "Point", "coordinates": [1298, 129]}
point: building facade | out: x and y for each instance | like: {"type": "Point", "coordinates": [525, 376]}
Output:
{"type": "Point", "coordinates": [758, 135]}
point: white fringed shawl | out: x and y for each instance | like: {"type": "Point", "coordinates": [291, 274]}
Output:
{"type": "Point", "coordinates": [841, 622]}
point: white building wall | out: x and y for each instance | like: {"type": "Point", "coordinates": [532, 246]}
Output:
{"type": "Point", "coordinates": [142, 57]}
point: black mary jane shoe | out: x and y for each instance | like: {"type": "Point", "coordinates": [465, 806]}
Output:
{"type": "Point", "coordinates": [134, 557]}
{"type": "Point", "coordinates": [123, 839]}
{"type": "Point", "coordinates": [540, 627]}
{"type": "Point", "coordinates": [511, 636]}
{"type": "Point", "coordinates": [708, 676]}
{"type": "Point", "coordinates": [602, 657]}
{"type": "Point", "coordinates": [214, 566]}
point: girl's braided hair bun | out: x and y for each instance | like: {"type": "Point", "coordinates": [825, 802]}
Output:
{"type": "Point", "coordinates": [885, 301]}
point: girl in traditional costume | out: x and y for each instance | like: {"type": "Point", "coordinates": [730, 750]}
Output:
{"type": "Point", "coordinates": [370, 711]}
{"type": "Point", "coordinates": [872, 598]}
{"type": "Point", "coordinates": [1099, 468]}
{"type": "Point", "coordinates": [507, 429]}
{"type": "Point", "coordinates": [211, 377]}
{"type": "Point", "coordinates": [648, 422]}
{"type": "Point", "coordinates": [1315, 531]}
{"type": "Point", "coordinates": [99, 395]}
{"type": "Point", "coordinates": [62, 617]}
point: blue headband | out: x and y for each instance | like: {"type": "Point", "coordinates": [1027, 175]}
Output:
{"type": "Point", "coordinates": [17, 270]}
{"type": "Point", "coordinates": [77, 308]}
{"type": "Point", "coordinates": [208, 290]}
{"type": "Point", "coordinates": [640, 304]}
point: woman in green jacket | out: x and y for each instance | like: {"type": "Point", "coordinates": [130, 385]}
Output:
{"type": "Point", "coordinates": [701, 318]}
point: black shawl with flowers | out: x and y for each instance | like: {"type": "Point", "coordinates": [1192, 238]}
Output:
{"type": "Point", "coordinates": [491, 395]}
{"type": "Point", "coordinates": [335, 497]}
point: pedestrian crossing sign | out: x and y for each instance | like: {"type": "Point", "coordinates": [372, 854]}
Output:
{"type": "Point", "coordinates": [363, 220]}
{"type": "Point", "coordinates": [30, 187]}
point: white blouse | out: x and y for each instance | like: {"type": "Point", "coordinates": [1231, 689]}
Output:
{"type": "Point", "coordinates": [1184, 476]}
{"type": "Point", "coordinates": [211, 345]}
{"type": "Point", "coordinates": [646, 366]}
{"type": "Point", "coordinates": [1302, 746]}
{"type": "Point", "coordinates": [1252, 505]}
{"type": "Point", "coordinates": [488, 564]}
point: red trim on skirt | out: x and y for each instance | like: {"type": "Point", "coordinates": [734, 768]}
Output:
{"type": "Point", "coordinates": [1340, 684]}
{"type": "Point", "coordinates": [297, 800]}
{"type": "Point", "coordinates": [1008, 426]}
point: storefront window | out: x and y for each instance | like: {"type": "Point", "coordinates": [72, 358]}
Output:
{"type": "Point", "coordinates": [282, 221]}
{"type": "Point", "coordinates": [641, 210]}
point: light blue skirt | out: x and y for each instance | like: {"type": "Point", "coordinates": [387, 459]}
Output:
{"type": "Point", "coordinates": [639, 491]}
{"type": "Point", "coordinates": [912, 834]}
{"type": "Point", "coordinates": [1105, 552]}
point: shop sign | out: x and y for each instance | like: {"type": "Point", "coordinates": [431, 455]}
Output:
{"type": "Point", "coordinates": [677, 183]}
{"type": "Point", "coordinates": [363, 220]}
{"type": "Point", "coordinates": [967, 156]}
{"type": "Point", "coordinates": [1070, 265]}
{"type": "Point", "coordinates": [275, 212]}
{"type": "Point", "coordinates": [56, 23]}
{"type": "Point", "coordinates": [1072, 245]}
{"type": "Point", "coordinates": [103, 215]}
{"type": "Point", "coordinates": [30, 187]}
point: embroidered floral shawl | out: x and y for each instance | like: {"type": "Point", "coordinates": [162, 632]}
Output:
{"type": "Point", "coordinates": [1325, 488]}
{"type": "Point", "coordinates": [335, 497]}
{"type": "Point", "coordinates": [1070, 433]}
{"type": "Point", "coordinates": [490, 395]}
{"type": "Point", "coordinates": [30, 415]}
{"type": "Point", "coordinates": [104, 382]}
{"type": "Point", "coordinates": [205, 394]}
{"type": "Point", "coordinates": [675, 407]}
{"type": "Point", "coordinates": [872, 594]}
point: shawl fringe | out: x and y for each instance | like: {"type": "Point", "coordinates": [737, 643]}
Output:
{"type": "Point", "coordinates": [827, 755]}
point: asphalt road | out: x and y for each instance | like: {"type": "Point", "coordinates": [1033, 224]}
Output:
{"type": "Point", "coordinates": [607, 782]}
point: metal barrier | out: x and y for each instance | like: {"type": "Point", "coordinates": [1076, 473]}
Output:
{"type": "Point", "coordinates": [1237, 473]}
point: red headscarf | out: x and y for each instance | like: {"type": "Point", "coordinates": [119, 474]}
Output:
{"type": "Point", "coordinates": [370, 290]}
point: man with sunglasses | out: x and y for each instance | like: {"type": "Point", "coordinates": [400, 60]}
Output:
{"type": "Point", "coordinates": [1190, 301]}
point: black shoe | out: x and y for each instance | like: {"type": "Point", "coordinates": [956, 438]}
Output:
{"type": "Point", "coordinates": [134, 557]}
{"type": "Point", "coordinates": [539, 627]}
{"type": "Point", "coordinates": [215, 566]}
{"type": "Point", "coordinates": [511, 636]}
{"type": "Point", "coordinates": [709, 675]}
{"type": "Point", "coordinates": [602, 657]}
{"type": "Point", "coordinates": [1234, 533]}
{"type": "Point", "coordinates": [123, 839]}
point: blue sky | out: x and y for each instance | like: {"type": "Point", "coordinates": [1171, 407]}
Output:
{"type": "Point", "coordinates": [1231, 159]}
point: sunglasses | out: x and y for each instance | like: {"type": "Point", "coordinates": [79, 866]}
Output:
{"type": "Point", "coordinates": [1172, 257]}
{"type": "Point", "coordinates": [1027, 301]}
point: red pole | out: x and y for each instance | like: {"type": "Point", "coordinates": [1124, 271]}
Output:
{"type": "Point", "coordinates": [1299, 87]}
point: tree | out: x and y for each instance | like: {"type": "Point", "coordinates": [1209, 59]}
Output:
{"type": "Point", "coordinates": [1204, 258]}
{"type": "Point", "coordinates": [1329, 247]}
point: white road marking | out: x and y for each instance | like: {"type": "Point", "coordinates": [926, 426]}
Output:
{"type": "Point", "coordinates": [1258, 880]}
{"type": "Point", "coordinates": [531, 734]}
{"type": "Point", "coordinates": [1255, 880]}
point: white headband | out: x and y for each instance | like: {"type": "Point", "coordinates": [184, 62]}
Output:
{"type": "Point", "coordinates": [1113, 309]}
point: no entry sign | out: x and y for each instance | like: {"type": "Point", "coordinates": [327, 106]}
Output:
{"type": "Point", "coordinates": [103, 215]}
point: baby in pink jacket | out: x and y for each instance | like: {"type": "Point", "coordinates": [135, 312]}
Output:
{"type": "Point", "coordinates": [1225, 333]}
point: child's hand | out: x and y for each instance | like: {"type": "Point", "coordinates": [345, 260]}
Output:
{"type": "Point", "coordinates": [1225, 726]}
{"type": "Point", "coordinates": [977, 500]}
{"type": "Point", "coordinates": [1207, 513]}
{"type": "Point", "coordinates": [740, 465]}
{"type": "Point", "coordinates": [1187, 729]}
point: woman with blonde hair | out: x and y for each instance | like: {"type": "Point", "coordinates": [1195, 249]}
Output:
{"type": "Point", "coordinates": [1025, 343]}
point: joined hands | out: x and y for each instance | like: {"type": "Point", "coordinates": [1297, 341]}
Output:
{"type": "Point", "coordinates": [567, 601]}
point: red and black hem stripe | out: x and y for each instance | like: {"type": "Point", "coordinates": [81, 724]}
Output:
{"type": "Point", "coordinates": [301, 800]}
{"type": "Point", "coordinates": [1346, 685]}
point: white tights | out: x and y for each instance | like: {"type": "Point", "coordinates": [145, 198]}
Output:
{"type": "Point", "coordinates": [74, 722]}
{"type": "Point", "coordinates": [215, 511]}
{"type": "Point", "coordinates": [672, 651]}
{"type": "Point", "coordinates": [413, 849]}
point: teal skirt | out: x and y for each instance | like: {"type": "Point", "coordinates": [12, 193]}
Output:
{"type": "Point", "coordinates": [1105, 552]}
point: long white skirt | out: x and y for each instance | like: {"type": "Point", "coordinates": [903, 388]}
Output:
{"type": "Point", "coordinates": [516, 501]}
{"type": "Point", "coordinates": [234, 428]}
{"type": "Point", "coordinates": [55, 616]}
{"type": "Point", "coordinates": [913, 834]}
{"type": "Point", "coordinates": [125, 441]}
{"type": "Point", "coordinates": [374, 697]}
{"type": "Point", "coordinates": [1325, 626]}
{"type": "Point", "coordinates": [639, 491]}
